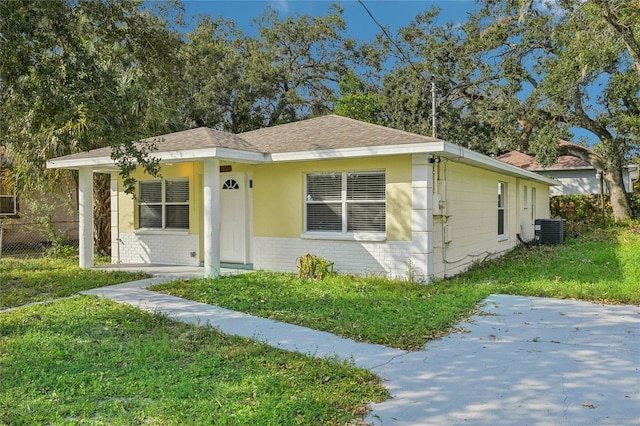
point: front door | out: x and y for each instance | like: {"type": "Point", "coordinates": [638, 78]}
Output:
{"type": "Point", "coordinates": [233, 219]}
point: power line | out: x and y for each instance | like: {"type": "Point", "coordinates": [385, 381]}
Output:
{"type": "Point", "coordinates": [411, 64]}
{"type": "Point", "coordinates": [391, 40]}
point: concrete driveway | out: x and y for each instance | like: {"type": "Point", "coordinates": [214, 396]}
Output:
{"type": "Point", "coordinates": [519, 361]}
{"type": "Point", "coordinates": [522, 361]}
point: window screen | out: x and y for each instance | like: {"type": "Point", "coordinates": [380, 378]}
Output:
{"type": "Point", "coordinates": [346, 202]}
{"type": "Point", "coordinates": [164, 204]}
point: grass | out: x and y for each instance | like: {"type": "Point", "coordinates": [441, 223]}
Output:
{"type": "Point", "coordinates": [86, 360]}
{"type": "Point", "coordinates": [34, 280]}
{"type": "Point", "coordinates": [601, 266]}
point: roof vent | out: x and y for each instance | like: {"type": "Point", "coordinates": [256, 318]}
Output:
{"type": "Point", "coordinates": [550, 231]}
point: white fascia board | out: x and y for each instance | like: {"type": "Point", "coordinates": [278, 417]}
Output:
{"type": "Point", "coordinates": [370, 151]}
{"type": "Point", "coordinates": [563, 169]}
{"type": "Point", "coordinates": [220, 153]}
{"type": "Point", "coordinates": [164, 157]}
{"type": "Point", "coordinates": [444, 149]}
{"type": "Point", "coordinates": [76, 163]}
{"type": "Point", "coordinates": [455, 152]}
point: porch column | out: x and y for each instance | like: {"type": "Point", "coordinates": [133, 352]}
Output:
{"type": "Point", "coordinates": [211, 214]}
{"type": "Point", "coordinates": [85, 220]}
{"type": "Point", "coordinates": [115, 230]}
{"type": "Point", "coordinates": [422, 217]}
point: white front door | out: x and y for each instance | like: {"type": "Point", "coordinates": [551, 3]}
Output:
{"type": "Point", "coordinates": [233, 219]}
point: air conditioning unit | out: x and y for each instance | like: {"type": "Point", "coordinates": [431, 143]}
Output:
{"type": "Point", "coordinates": [550, 231]}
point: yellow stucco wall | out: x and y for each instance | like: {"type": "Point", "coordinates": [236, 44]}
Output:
{"type": "Point", "coordinates": [127, 208]}
{"type": "Point", "coordinates": [278, 194]}
{"type": "Point", "coordinates": [470, 222]}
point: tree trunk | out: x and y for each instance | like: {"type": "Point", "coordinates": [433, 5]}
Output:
{"type": "Point", "coordinates": [619, 200]}
{"type": "Point", "coordinates": [612, 174]}
{"type": "Point", "coordinates": [102, 213]}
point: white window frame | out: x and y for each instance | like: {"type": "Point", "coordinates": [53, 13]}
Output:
{"type": "Point", "coordinates": [164, 203]}
{"type": "Point", "coordinates": [344, 202]}
{"type": "Point", "coordinates": [533, 204]}
{"type": "Point", "coordinates": [502, 211]}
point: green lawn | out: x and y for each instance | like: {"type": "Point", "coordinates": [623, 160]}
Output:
{"type": "Point", "coordinates": [33, 280]}
{"type": "Point", "coordinates": [601, 266]}
{"type": "Point", "coordinates": [86, 360]}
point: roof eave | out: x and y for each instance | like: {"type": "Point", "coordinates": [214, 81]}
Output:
{"type": "Point", "coordinates": [444, 149]}
{"type": "Point", "coordinates": [357, 152]}
{"type": "Point", "coordinates": [164, 157]}
{"type": "Point", "coordinates": [458, 153]}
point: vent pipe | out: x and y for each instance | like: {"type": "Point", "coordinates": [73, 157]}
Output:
{"type": "Point", "coordinates": [433, 107]}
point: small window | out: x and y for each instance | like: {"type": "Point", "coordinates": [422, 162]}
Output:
{"type": "Point", "coordinates": [533, 204]}
{"type": "Point", "coordinates": [346, 202]}
{"type": "Point", "coordinates": [163, 204]}
{"type": "Point", "coordinates": [8, 201]}
{"type": "Point", "coordinates": [525, 197]}
{"type": "Point", "coordinates": [8, 205]}
{"type": "Point", "coordinates": [502, 194]}
{"type": "Point", "coordinates": [230, 184]}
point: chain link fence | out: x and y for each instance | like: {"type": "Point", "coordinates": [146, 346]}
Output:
{"type": "Point", "coordinates": [36, 239]}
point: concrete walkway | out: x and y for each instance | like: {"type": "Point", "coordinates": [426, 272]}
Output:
{"type": "Point", "coordinates": [521, 361]}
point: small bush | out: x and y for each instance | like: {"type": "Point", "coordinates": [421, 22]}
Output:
{"type": "Point", "coordinates": [579, 207]}
{"type": "Point", "coordinates": [314, 267]}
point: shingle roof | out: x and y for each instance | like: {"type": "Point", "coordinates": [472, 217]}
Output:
{"type": "Point", "coordinates": [199, 138]}
{"type": "Point", "coordinates": [527, 162]}
{"type": "Point", "coordinates": [328, 132]}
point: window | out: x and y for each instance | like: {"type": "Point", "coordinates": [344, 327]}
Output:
{"type": "Point", "coordinates": [502, 194]}
{"type": "Point", "coordinates": [533, 204]}
{"type": "Point", "coordinates": [525, 197]}
{"type": "Point", "coordinates": [164, 204]}
{"type": "Point", "coordinates": [230, 184]}
{"type": "Point", "coordinates": [8, 202]}
{"type": "Point", "coordinates": [8, 205]}
{"type": "Point", "coordinates": [346, 202]}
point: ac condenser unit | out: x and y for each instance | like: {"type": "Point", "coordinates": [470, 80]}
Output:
{"type": "Point", "coordinates": [550, 231]}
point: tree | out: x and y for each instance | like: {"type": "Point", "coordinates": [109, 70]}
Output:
{"type": "Point", "coordinates": [310, 56]}
{"type": "Point", "coordinates": [358, 100]}
{"type": "Point", "coordinates": [237, 82]}
{"type": "Point", "coordinates": [426, 50]}
{"type": "Point", "coordinates": [572, 71]}
{"type": "Point", "coordinates": [78, 75]}
{"type": "Point", "coordinates": [526, 75]}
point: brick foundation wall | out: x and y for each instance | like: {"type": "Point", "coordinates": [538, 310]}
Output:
{"type": "Point", "coordinates": [355, 257]}
{"type": "Point", "coordinates": [162, 249]}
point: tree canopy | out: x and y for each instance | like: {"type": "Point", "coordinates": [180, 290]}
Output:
{"type": "Point", "coordinates": [517, 74]}
{"type": "Point", "coordinates": [81, 75]}
{"type": "Point", "coordinates": [526, 75]}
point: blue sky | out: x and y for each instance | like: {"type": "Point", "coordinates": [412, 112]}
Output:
{"type": "Point", "coordinates": [394, 14]}
{"type": "Point", "coordinates": [391, 14]}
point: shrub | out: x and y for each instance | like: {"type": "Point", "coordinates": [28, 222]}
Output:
{"type": "Point", "coordinates": [314, 267]}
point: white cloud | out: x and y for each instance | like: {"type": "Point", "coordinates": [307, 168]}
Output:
{"type": "Point", "coordinates": [282, 5]}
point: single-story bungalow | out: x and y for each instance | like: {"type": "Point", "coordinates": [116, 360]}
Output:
{"type": "Point", "coordinates": [575, 176]}
{"type": "Point", "coordinates": [372, 199]}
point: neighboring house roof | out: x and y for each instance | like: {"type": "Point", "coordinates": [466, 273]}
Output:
{"type": "Point", "coordinates": [318, 138]}
{"type": "Point", "coordinates": [528, 162]}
